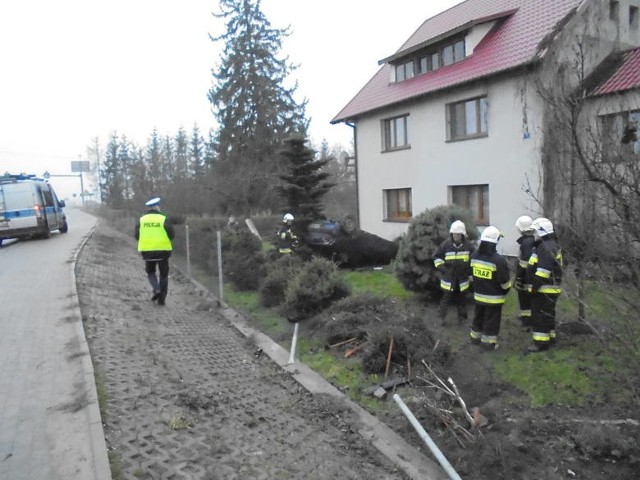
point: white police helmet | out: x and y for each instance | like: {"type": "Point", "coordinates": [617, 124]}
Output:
{"type": "Point", "coordinates": [288, 218]}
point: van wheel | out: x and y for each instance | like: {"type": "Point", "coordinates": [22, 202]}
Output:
{"type": "Point", "coordinates": [47, 233]}
{"type": "Point", "coordinates": [64, 228]}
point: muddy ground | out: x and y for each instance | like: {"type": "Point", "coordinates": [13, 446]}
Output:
{"type": "Point", "coordinates": [179, 409]}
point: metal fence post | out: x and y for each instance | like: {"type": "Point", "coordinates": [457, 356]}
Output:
{"type": "Point", "coordinates": [220, 281]}
{"type": "Point", "coordinates": [186, 228]}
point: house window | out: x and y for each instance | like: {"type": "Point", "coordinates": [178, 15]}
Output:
{"type": "Point", "coordinates": [404, 71]}
{"type": "Point", "coordinates": [395, 133]}
{"type": "Point", "coordinates": [474, 198]}
{"type": "Point", "coordinates": [467, 119]}
{"type": "Point", "coordinates": [614, 10]}
{"type": "Point", "coordinates": [447, 55]}
{"type": "Point", "coordinates": [435, 61]}
{"type": "Point", "coordinates": [431, 59]}
{"type": "Point", "coordinates": [620, 136]}
{"type": "Point", "coordinates": [397, 204]}
{"type": "Point", "coordinates": [633, 17]}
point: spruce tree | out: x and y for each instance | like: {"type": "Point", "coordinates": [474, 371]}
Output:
{"type": "Point", "coordinates": [253, 107]}
{"type": "Point", "coordinates": [112, 176]}
{"type": "Point", "coordinates": [304, 183]}
{"type": "Point", "coordinates": [196, 153]}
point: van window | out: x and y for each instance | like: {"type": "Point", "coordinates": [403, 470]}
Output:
{"type": "Point", "coordinates": [18, 196]}
{"type": "Point", "coordinates": [47, 198]}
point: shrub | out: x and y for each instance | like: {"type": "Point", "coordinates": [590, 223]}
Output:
{"type": "Point", "coordinates": [279, 272]}
{"type": "Point", "coordinates": [316, 286]}
{"type": "Point", "coordinates": [413, 342]}
{"type": "Point", "coordinates": [352, 317]}
{"type": "Point", "coordinates": [242, 260]}
{"type": "Point", "coordinates": [414, 262]}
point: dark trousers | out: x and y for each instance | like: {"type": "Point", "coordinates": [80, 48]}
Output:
{"type": "Point", "coordinates": [456, 297]}
{"type": "Point", "coordinates": [162, 284]}
{"type": "Point", "coordinates": [524, 301]}
{"type": "Point", "coordinates": [486, 323]}
{"type": "Point", "coordinates": [543, 318]}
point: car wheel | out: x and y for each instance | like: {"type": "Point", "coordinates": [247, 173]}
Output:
{"type": "Point", "coordinates": [64, 228]}
{"type": "Point", "coordinates": [47, 233]}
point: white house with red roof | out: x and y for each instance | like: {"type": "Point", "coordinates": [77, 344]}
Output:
{"type": "Point", "coordinates": [455, 116]}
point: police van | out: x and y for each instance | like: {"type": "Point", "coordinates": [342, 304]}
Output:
{"type": "Point", "coordinates": [29, 207]}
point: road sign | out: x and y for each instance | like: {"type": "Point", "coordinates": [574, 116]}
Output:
{"type": "Point", "coordinates": [80, 166]}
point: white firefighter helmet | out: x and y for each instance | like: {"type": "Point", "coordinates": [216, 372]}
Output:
{"type": "Point", "coordinates": [288, 218]}
{"type": "Point", "coordinates": [491, 234]}
{"type": "Point", "coordinates": [542, 226]}
{"type": "Point", "coordinates": [523, 223]}
{"type": "Point", "coordinates": [458, 227]}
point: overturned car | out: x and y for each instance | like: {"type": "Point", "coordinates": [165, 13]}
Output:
{"type": "Point", "coordinates": [348, 246]}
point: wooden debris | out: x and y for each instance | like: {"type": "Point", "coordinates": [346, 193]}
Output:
{"type": "Point", "coordinates": [386, 368]}
{"type": "Point", "coordinates": [352, 351]}
{"type": "Point", "coordinates": [388, 385]}
{"type": "Point", "coordinates": [446, 415]}
{"type": "Point", "coordinates": [344, 342]}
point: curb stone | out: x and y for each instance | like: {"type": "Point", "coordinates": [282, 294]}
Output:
{"type": "Point", "coordinates": [101, 465]}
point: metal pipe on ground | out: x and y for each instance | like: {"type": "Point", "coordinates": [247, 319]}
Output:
{"type": "Point", "coordinates": [442, 460]}
{"type": "Point", "coordinates": [294, 341]}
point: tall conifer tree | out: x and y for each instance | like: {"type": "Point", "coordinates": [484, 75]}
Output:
{"type": "Point", "coordinates": [305, 184]}
{"type": "Point", "coordinates": [253, 106]}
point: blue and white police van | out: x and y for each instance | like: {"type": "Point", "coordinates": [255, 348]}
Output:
{"type": "Point", "coordinates": [29, 207]}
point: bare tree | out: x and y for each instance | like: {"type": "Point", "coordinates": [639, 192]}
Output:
{"type": "Point", "coordinates": [591, 174]}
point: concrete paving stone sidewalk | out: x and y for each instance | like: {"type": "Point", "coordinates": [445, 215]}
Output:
{"type": "Point", "coordinates": [188, 397]}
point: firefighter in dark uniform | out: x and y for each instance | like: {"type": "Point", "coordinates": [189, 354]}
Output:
{"type": "Point", "coordinates": [451, 258]}
{"type": "Point", "coordinates": [491, 282]}
{"type": "Point", "coordinates": [525, 241]}
{"type": "Point", "coordinates": [287, 240]}
{"type": "Point", "coordinates": [544, 274]}
{"type": "Point", "coordinates": [155, 233]}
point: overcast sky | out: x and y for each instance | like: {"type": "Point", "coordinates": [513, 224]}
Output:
{"type": "Point", "coordinates": [73, 70]}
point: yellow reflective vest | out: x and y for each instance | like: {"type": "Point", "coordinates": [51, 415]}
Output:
{"type": "Point", "coordinates": [153, 236]}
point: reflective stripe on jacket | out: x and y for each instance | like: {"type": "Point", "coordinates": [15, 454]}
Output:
{"type": "Point", "coordinates": [526, 243]}
{"type": "Point", "coordinates": [452, 260]}
{"type": "Point", "coordinates": [152, 233]}
{"type": "Point", "coordinates": [544, 270]}
{"type": "Point", "coordinates": [491, 280]}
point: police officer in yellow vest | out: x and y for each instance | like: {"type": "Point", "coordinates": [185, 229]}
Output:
{"type": "Point", "coordinates": [154, 233]}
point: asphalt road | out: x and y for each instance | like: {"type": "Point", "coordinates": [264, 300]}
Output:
{"type": "Point", "coordinates": [50, 425]}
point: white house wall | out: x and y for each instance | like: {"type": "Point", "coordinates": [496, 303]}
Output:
{"type": "Point", "coordinates": [504, 160]}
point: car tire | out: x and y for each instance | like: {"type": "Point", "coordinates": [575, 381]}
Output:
{"type": "Point", "coordinates": [47, 233]}
{"type": "Point", "coordinates": [64, 228]}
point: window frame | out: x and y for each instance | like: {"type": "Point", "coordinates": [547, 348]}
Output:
{"type": "Point", "coordinates": [481, 109]}
{"type": "Point", "coordinates": [634, 13]}
{"type": "Point", "coordinates": [482, 213]}
{"type": "Point", "coordinates": [388, 203]}
{"type": "Point", "coordinates": [612, 129]}
{"type": "Point", "coordinates": [457, 45]}
{"type": "Point", "coordinates": [614, 10]}
{"type": "Point", "coordinates": [390, 132]}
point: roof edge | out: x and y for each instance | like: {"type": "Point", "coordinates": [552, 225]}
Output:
{"type": "Point", "coordinates": [522, 66]}
{"type": "Point", "coordinates": [449, 33]}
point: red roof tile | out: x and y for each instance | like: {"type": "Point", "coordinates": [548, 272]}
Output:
{"type": "Point", "coordinates": [514, 43]}
{"type": "Point", "coordinates": [625, 76]}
